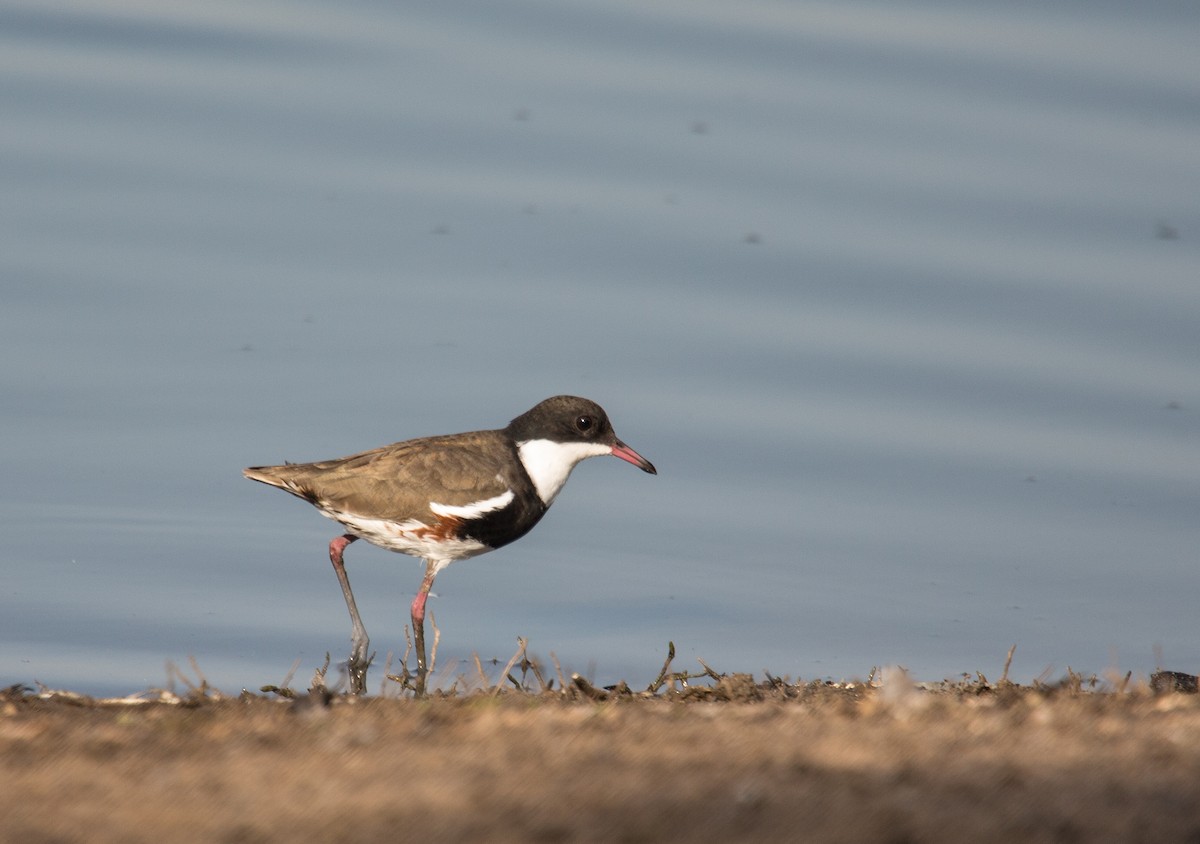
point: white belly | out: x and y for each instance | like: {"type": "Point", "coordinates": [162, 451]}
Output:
{"type": "Point", "coordinates": [412, 537]}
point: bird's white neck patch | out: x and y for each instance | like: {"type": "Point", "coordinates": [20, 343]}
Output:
{"type": "Point", "coordinates": [549, 463]}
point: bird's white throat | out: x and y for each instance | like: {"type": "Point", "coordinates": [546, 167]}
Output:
{"type": "Point", "coordinates": [549, 463]}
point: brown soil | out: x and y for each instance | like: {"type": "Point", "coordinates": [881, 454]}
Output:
{"type": "Point", "coordinates": [731, 759]}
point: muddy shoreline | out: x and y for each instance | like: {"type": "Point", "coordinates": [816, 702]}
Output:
{"type": "Point", "coordinates": [735, 759]}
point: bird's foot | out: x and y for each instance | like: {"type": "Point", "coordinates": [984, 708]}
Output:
{"type": "Point", "coordinates": [419, 647]}
{"type": "Point", "coordinates": [356, 668]}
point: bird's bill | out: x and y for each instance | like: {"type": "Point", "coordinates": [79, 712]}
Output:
{"type": "Point", "coordinates": [628, 454]}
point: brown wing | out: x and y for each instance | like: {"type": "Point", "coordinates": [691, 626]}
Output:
{"type": "Point", "coordinates": [393, 482]}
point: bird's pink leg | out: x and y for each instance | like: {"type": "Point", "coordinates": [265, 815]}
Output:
{"type": "Point", "coordinates": [418, 604]}
{"type": "Point", "coordinates": [418, 623]}
{"type": "Point", "coordinates": [359, 643]}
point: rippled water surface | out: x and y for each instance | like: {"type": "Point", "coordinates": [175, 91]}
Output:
{"type": "Point", "coordinates": [903, 299]}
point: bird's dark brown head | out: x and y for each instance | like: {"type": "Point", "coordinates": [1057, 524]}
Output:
{"type": "Point", "coordinates": [569, 419]}
{"type": "Point", "coordinates": [563, 419]}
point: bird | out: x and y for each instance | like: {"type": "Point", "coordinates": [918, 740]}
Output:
{"type": "Point", "coordinates": [448, 498]}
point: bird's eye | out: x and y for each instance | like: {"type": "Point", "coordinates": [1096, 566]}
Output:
{"type": "Point", "coordinates": [584, 423]}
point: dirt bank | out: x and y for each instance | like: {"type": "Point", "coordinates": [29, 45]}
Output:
{"type": "Point", "coordinates": [754, 761]}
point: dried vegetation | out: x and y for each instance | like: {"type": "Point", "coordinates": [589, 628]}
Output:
{"type": "Point", "coordinates": [522, 752]}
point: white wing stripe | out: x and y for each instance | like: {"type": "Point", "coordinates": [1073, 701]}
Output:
{"type": "Point", "coordinates": [475, 509]}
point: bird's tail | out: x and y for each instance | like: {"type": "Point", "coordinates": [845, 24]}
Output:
{"type": "Point", "coordinates": [288, 477]}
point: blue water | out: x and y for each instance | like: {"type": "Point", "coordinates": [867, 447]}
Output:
{"type": "Point", "coordinates": [902, 299]}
